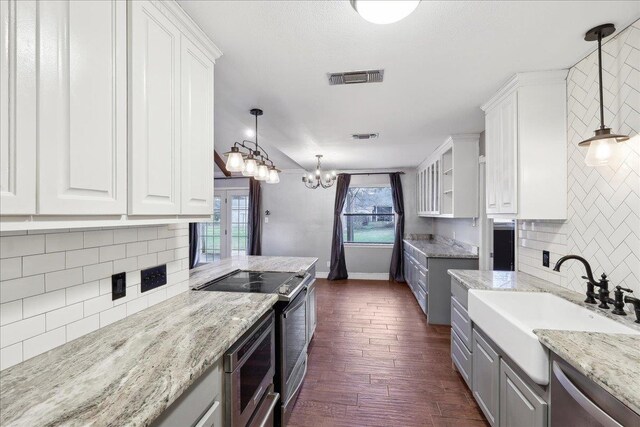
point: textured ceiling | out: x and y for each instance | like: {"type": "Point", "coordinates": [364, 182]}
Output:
{"type": "Point", "coordinates": [441, 63]}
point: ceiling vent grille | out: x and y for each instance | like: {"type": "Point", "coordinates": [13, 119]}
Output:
{"type": "Point", "coordinates": [353, 77]}
{"type": "Point", "coordinates": [363, 136]}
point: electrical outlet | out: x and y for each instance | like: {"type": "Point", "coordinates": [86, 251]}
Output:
{"type": "Point", "coordinates": [118, 286]}
{"type": "Point", "coordinates": [545, 258]}
{"type": "Point", "coordinates": [153, 277]}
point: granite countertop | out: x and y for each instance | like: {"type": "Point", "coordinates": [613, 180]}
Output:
{"type": "Point", "coordinates": [611, 360]}
{"type": "Point", "coordinates": [129, 372]}
{"type": "Point", "coordinates": [616, 368]}
{"type": "Point", "coordinates": [439, 247]}
{"type": "Point", "coordinates": [207, 272]}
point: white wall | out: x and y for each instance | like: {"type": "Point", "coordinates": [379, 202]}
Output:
{"type": "Point", "coordinates": [55, 286]}
{"type": "Point", "coordinates": [461, 229]}
{"type": "Point", "coordinates": [603, 222]}
{"type": "Point", "coordinates": [301, 223]}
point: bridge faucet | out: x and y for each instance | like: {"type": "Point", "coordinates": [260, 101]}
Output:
{"type": "Point", "coordinates": [603, 284]}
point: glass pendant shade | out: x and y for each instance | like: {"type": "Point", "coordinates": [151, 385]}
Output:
{"type": "Point", "coordinates": [250, 167]}
{"type": "Point", "coordinates": [235, 162]}
{"type": "Point", "coordinates": [274, 178]}
{"type": "Point", "coordinates": [384, 12]}
{"type": "Point", "coordinates": [262, 172]}
{"type": "Point", "coordinates": [600, 152]}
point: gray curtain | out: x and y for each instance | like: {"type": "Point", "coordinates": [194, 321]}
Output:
{"type": "Point", "coordinates": [255, 219]}
{"type": "Point", "coordinates": [338, 266]}
{"type": "Point", "coordinates": [194, 244]}
{"type": "Point", "coordinates": [396, 270]}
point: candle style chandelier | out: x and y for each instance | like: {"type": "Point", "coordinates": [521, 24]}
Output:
{"type": "Point", "coordinates": [251, 159]}
{"type": "Point", "coordinates": [320, 178]}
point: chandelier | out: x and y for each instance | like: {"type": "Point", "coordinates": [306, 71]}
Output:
{"type": "Point", "coordinates": [319, 179]}
{"type": "Point", "coordinates": [251, 159]}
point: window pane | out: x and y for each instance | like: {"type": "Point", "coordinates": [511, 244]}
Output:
{"type": "Point", "coordinates": [369, 228]}
{"type": "Point", "coordinates": [369, 200]}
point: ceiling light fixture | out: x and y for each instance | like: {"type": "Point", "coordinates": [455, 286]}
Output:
{"type": "Point", "coordinates": [603, 145]}
{"type": "Point", "coordinates": [319, 178]}
{"type": "Point", "coordinates": [384, 12]}
{"type": "Point", "coordinates": [252, 159]}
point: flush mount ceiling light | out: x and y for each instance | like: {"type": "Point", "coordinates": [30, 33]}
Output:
{"type": "Point", "coordinates": [319, 178]}
{"type": "Point", "coordinates": [384, 12]}
{"type": "Point", "coordinates": [603, 145]}
{"type": "Point", "coordinates": [251, 159]}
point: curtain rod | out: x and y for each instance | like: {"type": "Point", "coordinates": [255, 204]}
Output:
{"type": "Point", "coordinates": [374, 173]}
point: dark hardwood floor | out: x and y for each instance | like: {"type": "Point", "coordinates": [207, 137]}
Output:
{"type": "Point", "coordinates": [374, 361]}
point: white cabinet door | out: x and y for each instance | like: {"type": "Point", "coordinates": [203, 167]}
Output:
{"type": "Point", "coordinates": [17, 107]}
{"type": "Point", "coordinates": [509, 152]}
{"type": "Point", "coordinates": [197, 130]}
{"type": "Point", "coordinates": [82, 101]}
{"type": "Point", "coordinates": [493, 157]}
{"type": "Point", "coordinates": [154, 116]}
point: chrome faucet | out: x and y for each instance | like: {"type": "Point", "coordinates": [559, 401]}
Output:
{"type": "Point", "coordinates": [603, 284]}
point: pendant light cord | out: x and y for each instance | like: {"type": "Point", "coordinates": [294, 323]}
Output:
{"type": "Point", "coordinates": [600, 78]}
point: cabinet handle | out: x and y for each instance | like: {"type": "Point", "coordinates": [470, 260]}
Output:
{"type": "Point", "coordinates": [582, 400]}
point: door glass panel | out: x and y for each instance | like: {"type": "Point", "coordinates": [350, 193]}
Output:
{"type": "Point", "coordinates": [239, 226]}
{"type": "Point", "coordinates": [210, 234]}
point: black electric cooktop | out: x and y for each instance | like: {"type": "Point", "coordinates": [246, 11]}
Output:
{"type": "Point", "coordinates": [264, 282]}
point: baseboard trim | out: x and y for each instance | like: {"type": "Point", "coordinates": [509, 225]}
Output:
{"type": "Point", "coordinates": [357, 276]}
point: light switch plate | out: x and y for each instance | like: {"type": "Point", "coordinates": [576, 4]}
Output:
{"type": "Point", "coordinates": [545, 258]}
{"type": "Point", "coordinates": [118, 286]}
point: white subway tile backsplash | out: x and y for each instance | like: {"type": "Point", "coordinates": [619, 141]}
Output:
{"type": "Point", "coordinates": [42, 343]}
{"type": "Point", "coordinates": [63, 279]}
{"type": "Point", "coordinates": [10, 312]}
{"type": "Point", "coordinates": [82, 292]}
{"type": "Point", "coordinates": [11, 355]}
{"type": "Point", "coordinates": [36, 264]}
{"type": "Point", "coordinates": [83, 327]}
{"type": "Point", "coordinates": [42, 303]}
{"type": "Point", "coordinates": [114, 314]}
{"type": "Point", "coordinates": [64, 315]}
{"type": "Point", "coordinates": [98, 238]}
{"type": "Point", "coordinates": [97, 271]}
{"type": "Point", "coordinates": [21, 288]}
{"type": "Point", "coordinates": [13, 246]}
{"type": "Point", "coordinates": [55, 286]}
{"type": "Point", "coordinates": [10, 268]}
{"type": "Point", "coordinates": [82, 257]}
{"type": "Point", "coordinates": [21, 330]}
{"type": "Point", "coordinates": [63, 241]}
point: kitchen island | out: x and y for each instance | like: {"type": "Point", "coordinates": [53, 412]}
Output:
{"type": "Point", "coordinates": [129, 372]}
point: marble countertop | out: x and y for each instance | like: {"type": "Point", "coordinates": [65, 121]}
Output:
{"type": "Point", "coordinates": [439, 247]}
{"type": "Point", "coordinates": [207, 272]}
{"type": "Point", "coordinates": [610, 360]}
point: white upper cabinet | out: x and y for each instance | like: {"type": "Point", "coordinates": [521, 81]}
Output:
{"type": "Point", "coordinates": [526, 147]}
{"type": "Point", "coordinates": [448, 179]}
{"type": "Point", "coordinates": [154, 145]}
{"type": "Point", "coordinates": [82, 107]}
{"type": "Point", "coordinates": [197, 130]}
{"type": "Point", "coordinates": [17, 107]}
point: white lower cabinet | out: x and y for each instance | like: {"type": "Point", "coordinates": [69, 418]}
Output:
{"type": "Point", "coordinates": [486, 371]}
{"type": "Point", "coordinates": [519, 405]}
{"type": "Point", "coordinates": [82, 106]}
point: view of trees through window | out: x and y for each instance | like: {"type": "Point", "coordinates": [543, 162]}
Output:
{"type": "Point", "coordinates": [368, 215]}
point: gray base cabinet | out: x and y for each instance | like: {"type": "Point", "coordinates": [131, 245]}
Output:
{"type": "Point", "coordinates": [486, 373]}
{"type": "Point", "coordinates": [519, 405]}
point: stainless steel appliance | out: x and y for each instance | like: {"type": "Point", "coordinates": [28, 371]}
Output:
{"type": "Point", "coordinates": [291, 326]}
{"type": "Point", "coordinates": [578, 401]}
{"type": "Point", "coordinates": [249, 367]}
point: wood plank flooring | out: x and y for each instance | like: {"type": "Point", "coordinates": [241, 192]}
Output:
{"type": "Point", "coordinates": [374, 361]}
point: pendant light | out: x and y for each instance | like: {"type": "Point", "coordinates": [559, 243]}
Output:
{"type": "Point", "coordinates": [603, 145]}
{"type": "Point", "coordinates": [384, 11]}
{"type": "Point", "coordinates": [251, 159]}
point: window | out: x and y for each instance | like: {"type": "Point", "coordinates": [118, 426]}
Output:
{"type": "Point", "coordinates": [368, 216]}
{"type": "Point", "coordinates": [228, 234]}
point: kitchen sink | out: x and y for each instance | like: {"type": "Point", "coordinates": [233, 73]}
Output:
{"type": "Point", "coordinates": [509, 319]}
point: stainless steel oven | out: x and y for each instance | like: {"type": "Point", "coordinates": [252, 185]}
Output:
{"type": "Point", "coordinates": [249, 369]}
{"type": "Point", "coordinates": [292, 360]}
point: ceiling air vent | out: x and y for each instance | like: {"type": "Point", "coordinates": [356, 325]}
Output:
{"type": "Point", "coordinates": [352, 77]}
{"type": "Point", "coordinates": [363, 136]}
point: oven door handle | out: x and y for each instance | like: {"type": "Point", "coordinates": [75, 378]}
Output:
{"type": "Point", "coordinates": [273, 398]}
{"type": "Point", "coordinates": [302, 302]}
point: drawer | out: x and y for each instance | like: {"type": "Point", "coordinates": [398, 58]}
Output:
{"type": "Point", "coordinates": [422, 300]}
{"type": "Point", "coordinates": [460, 322]}
{"type": "Point", "coordinates": [460, 292]}
{"type": "Point", "coordinates": [422, 286]}
{"type": "Point", "coordinates": [421, 259]}
{"type": "Point", "coordinates": [461, 357]}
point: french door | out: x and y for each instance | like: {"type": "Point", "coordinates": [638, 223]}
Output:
{"type": "Point", "coordinates": [228, 234]}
